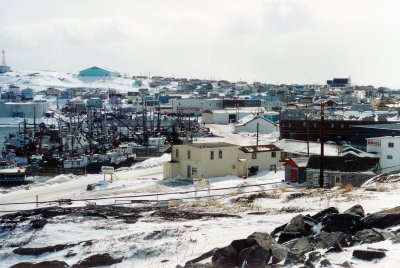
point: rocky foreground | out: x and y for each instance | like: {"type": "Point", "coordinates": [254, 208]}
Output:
{"type": "Point", "coordinates": [31, 221]}
{"type": "Point", "coordinates": [305, 240]}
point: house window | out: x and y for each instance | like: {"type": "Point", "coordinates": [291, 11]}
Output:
{"type": "Point", "coordinates": [391, 144]}
{"type": "Point", "coordinates": [233, 166]}
{"type": "Point", "coordinates": [283, 124]}
{"type": "Point", "coordinates": [188, 154]}
{"type": "Point", "coordinates": [389, 156]}
{"type": "Point", "coordinates": [254, 156]}
{"type": "Point", "coordinates": [177, 153]}
{"type": "Point", "coordinates": [304, 124]}
{"type": "Point", "coordinates": [212, 155]}
{"type": "Point", "coordinates": [273, 154]}
{"type": "Point", "coordinates": [290, 125]}
{"type": "Point", "coordinates": [272, 168]}
{"type": "Point", "coordinates": [342, 125]}
{"type": "Point", "coordinates": [337, 179]}
{"type": "Point", "coordinates": [315, 125]}
{"type": "Point", "coordinates": [194, 171]}
{"type": "Point", "coordinates": [220, 154]}
{"type": "Point", "coordinates": [332, 125]}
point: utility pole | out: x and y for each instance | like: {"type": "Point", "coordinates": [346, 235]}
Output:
{"type": "Point", "coordinates": [308, 142]}
{"type": "Point", "coordinates": [34, 121]}
{"type": "Point", "coordinates": [257, 134]}
{"type": "Point", "coordinates": [321, 168]}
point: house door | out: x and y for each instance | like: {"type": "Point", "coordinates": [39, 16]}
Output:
{"type": "Point", "coordinates": [293, 174]}
{"type": "Point", "coordinates": [232, 118]}
{"type": "Point", "coordinates": [189, 172]}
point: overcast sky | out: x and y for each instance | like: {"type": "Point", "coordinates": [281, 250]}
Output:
{"type": "Point", "coordinates": [274, 41]}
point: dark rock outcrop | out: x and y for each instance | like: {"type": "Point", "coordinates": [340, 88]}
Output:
{"type": "Point", "coordinates": [299, 226]}
{"type": "Point", "coordinates": [356, 210]}
{"type": "Point", "coordinates": [103, 259]}
{"type": "Point", "coordinates": [255, 256]}
{"type": "Point", "coordinates": [327, 240]}
{"type": "Point", "coordinates": [368, 255]}
{"type": "Point", "coordinates": [225, 257]}
{"type": "Point", "coordinates": [328, 211]}
{"type": "Point", "coordinates": [294, 259]}
{"type": "Point", "coordinates": [340, 222]}
{"type": "Point", "coordinates": [287, 236]}
{"type": "Point", "coordinates": [303, 245]}
{"type": "Point", "coordinates": [264, 240]}
{"type": "Point", "coordinates": [279, 253]}
{"type": "Point", "coordinates": [382, 219]}
{"type": "Point", "coordinates": [39, 251]}
{"type": "Point", "coordinates": [373, 235]}
{"type": "Point", "coordinates": [325, 263]}
{"type": "Point", "coordinates": [243, 249]}
{"type": "Point", "coordinates": [43, 264]}
{"type": "Point", "coordinates": [38, 223]}
{"type": "Point", "coordinates": [314, 256]}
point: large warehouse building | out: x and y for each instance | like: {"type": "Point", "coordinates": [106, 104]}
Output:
{"type": "Point", "coordinates": [98, 72]}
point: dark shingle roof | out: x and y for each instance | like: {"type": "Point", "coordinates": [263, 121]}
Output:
{"type": "Point", "coordinates": [260, 148]}
{"type": "Point", "coordinates": [344, 164]}
{"type": "Point", "coordinates": [380, 126]}
{"type": "Point", "coordinates": [212, 145]}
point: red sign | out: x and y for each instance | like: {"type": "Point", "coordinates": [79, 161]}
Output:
{"type": "Point", "coordinates": [188, 108]}
{"type": "Point", "coordinates": [374, 143]}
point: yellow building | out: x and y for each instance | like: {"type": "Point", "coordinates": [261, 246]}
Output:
{"type": "Point", "coordinates": [220, 159]}
{"type": "Point", "coordinates": [256, 158]}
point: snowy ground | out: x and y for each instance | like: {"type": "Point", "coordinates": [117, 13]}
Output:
{"type": "Point", "coordinates": [162, 242]}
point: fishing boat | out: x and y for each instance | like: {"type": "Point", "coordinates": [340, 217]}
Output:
{"type": "Point", "coordinates": [11, 173]}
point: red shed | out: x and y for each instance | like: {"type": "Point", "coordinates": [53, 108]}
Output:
{"type": "Point", "coordinates": [295, 169]}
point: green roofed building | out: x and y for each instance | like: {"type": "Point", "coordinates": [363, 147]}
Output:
{"type": "Point", "coordinates": [98, 72]}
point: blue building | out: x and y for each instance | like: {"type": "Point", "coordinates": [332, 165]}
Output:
{"type": "Point", "coordinates": [27, 94]}
{"type": "Point", "coordinates": [94, 103]}
{"type": "Point", "coordinates": [98, 72]}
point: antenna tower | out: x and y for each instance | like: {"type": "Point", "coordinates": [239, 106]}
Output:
{"type": "Point", "coordinates": [3, 58]}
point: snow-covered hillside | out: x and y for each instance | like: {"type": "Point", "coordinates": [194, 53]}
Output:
{"type": "Point", "coordinates": [40, 80]}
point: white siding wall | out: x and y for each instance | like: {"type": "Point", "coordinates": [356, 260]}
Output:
{"type": "Point", "coordinates": [389, 156]}
{"type": "Point", "coordinates": [265, 127]}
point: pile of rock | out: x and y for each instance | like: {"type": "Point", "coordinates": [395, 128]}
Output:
{"type": "Point", "coordinates": [305, 240]}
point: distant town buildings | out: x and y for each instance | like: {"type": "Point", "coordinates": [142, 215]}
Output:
{"type": "Point", "coordinates": [339, 82]}
{"type": "Point", "coordinates": [29, 109]}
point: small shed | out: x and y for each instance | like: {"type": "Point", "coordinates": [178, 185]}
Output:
{"type": "Point", "coordinates": [295, 169]}
{"type": "Point", "coordinates": [342, 170]}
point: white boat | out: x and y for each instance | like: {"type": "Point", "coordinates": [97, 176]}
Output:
{"type": "Point", "coordinates": [11, 173]}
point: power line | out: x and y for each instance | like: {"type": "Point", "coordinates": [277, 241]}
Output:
{"type": "Point", "coordinates": [129, 202]}
{"type": "Point", "coordinates": [135, 196]}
